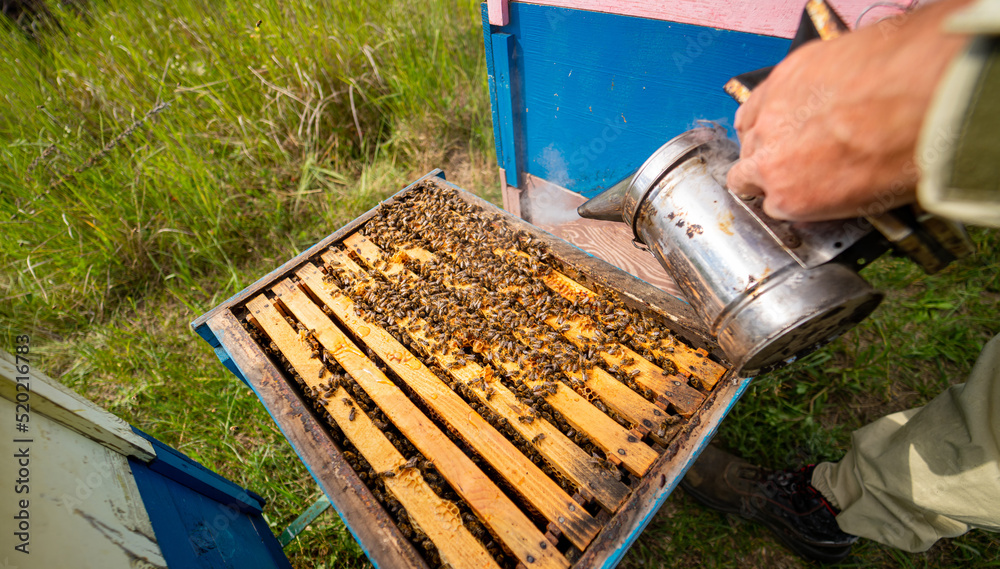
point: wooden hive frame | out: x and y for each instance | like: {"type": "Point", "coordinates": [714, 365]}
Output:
{"type": "Point", "coordinates": [298, 292]}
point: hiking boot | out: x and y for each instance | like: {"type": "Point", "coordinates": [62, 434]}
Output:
{"type": "Point", "coordinates": [783, 500]}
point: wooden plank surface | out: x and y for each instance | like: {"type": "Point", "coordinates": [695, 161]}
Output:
{"type": "Point", "coordinates": [374, 529]}
{"type": "Point", "coordinates": [612, 242]}
{"type": "Point", "coordinates": [80, 499]}
{"type": "Point", "coordinates": [67, 407]}
{"type": "Point", "coordinates": [604, 431]}
{"type": "Point", "coordinates": [498, 12]}
{"type": "Point", "coordinates": [562, 453]}
{"type": "Point", "coordinates": [437, 518]}
{"type": "Point", "coordinates": [522, 474]}
{"type": "Point", "coordinates": [688, 361]}
{"type": "Point", "coordinates": [503, 52]}
{"type": "Point", "coordinates": [637, 293]}
{"type": "Point", "coordinates": [517, 528]}
{"type": "Point", "coordinates": [553, 208]}
{"type": "Point", "coordinates": [583, 332]}
{"type": "Point", "coordinates": [618, 536]}
{"type": "Point", "coordinates": [483, 496]}
{"type": "Point", "coordinates": [582, 415]}
{"type": "Point", "coordinates": [608, 435]}
{"type": "Point", "coordinates": [645, 416]}
{"type": "Point", "coordinates": [598, 93]}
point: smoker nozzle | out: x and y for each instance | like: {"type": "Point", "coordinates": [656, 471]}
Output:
{"type": "Point", "coordinates": [606, 206]}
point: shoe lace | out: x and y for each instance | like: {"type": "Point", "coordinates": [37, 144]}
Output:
{"type": "Point", "coordinates": [796, 488]}
{"type": "Point", "coordinates": [790, 496]}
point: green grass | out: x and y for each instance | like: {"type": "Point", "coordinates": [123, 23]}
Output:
{"type": "Point", "coordinates": [121, 228]}
{"type": "Point", "coordinates": [119, 231]}
{"type": "Point", "coordinates": [258, 136]}
{"type": "Point", "coordinates": [923, 338]}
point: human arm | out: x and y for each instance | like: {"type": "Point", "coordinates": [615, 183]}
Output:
{"type": "Point", "coordinates": [831, 133]}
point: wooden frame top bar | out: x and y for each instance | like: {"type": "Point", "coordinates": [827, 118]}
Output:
{"type": "Point", "coordinates": [364, 516]}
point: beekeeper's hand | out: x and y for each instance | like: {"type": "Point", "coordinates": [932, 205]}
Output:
{"type": "Point", "coordinates": [832, 131]}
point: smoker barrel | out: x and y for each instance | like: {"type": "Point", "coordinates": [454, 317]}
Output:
{"type": "Point", "coordinates": [761, 304]}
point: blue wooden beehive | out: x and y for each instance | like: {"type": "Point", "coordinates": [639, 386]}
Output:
{"type": "Point", "coordinates": [92, 491]}
{"type": "Point", "coordinates": [582, 93]}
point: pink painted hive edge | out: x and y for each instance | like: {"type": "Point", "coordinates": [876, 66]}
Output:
{"type": "Point", "coordinates": [498, 11]}
{"type": "Point", "coordinates": [777, 18]}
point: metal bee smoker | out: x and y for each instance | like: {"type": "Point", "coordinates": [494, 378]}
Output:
{"type": "Point", "coordinates": [766, 289]}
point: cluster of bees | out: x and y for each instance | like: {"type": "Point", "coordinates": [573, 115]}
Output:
{"type": "Point", "coordinates": [481, 300]}
{"type": "Point", "coordinates": [450, 329]}
{"type": "Point", "coordinates": [510, 286]}
{"type": "Point", "coordinates": [439, 220]}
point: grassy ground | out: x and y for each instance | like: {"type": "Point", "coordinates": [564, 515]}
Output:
{"type": "Point", "coordinates": [162, 156]}
{"type": "Point", "coordinates": [924, 337]}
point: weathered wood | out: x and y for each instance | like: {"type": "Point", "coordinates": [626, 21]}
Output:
{"type": "Point", "coordinates": [604, 431]}
{"type": "Point", "coordinates": [583, 416]}
{"type": "Point", "coordinates": [522, 474]}
{"type": "Point", "coordinates": [84, 504]}
{"type": "Point", "coordinates": [505, 81]}
{"type": "Point", "coordinates": [616, 395]}
{"type": "Point", "coordinates": [61, 404]}
{"type": "Point", "coordinates": [563, 454]}
{"type": "Point", "coordinates": [582, 333]}
{"type": "Point", "coordinates": [652, 491]}
{"type": "Point", "coordinates": [510, 196]}
{"type": "Point", "coordinates": [366, 518]}
{"type": "Point", "coordinates": [688, 361]}
{"type": "Point", "coordinates": [598, 93]}
{"type": "Point", "coordinates": [437, 518]}
{"type": "Point", "coordinates": [560, 452]}
{"type": "Point", "coordinates": [607, 240]}
{"type": "Point", "coordinates": [355, 504]}
{"type": "Point", "coordinates": [482, 495]}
